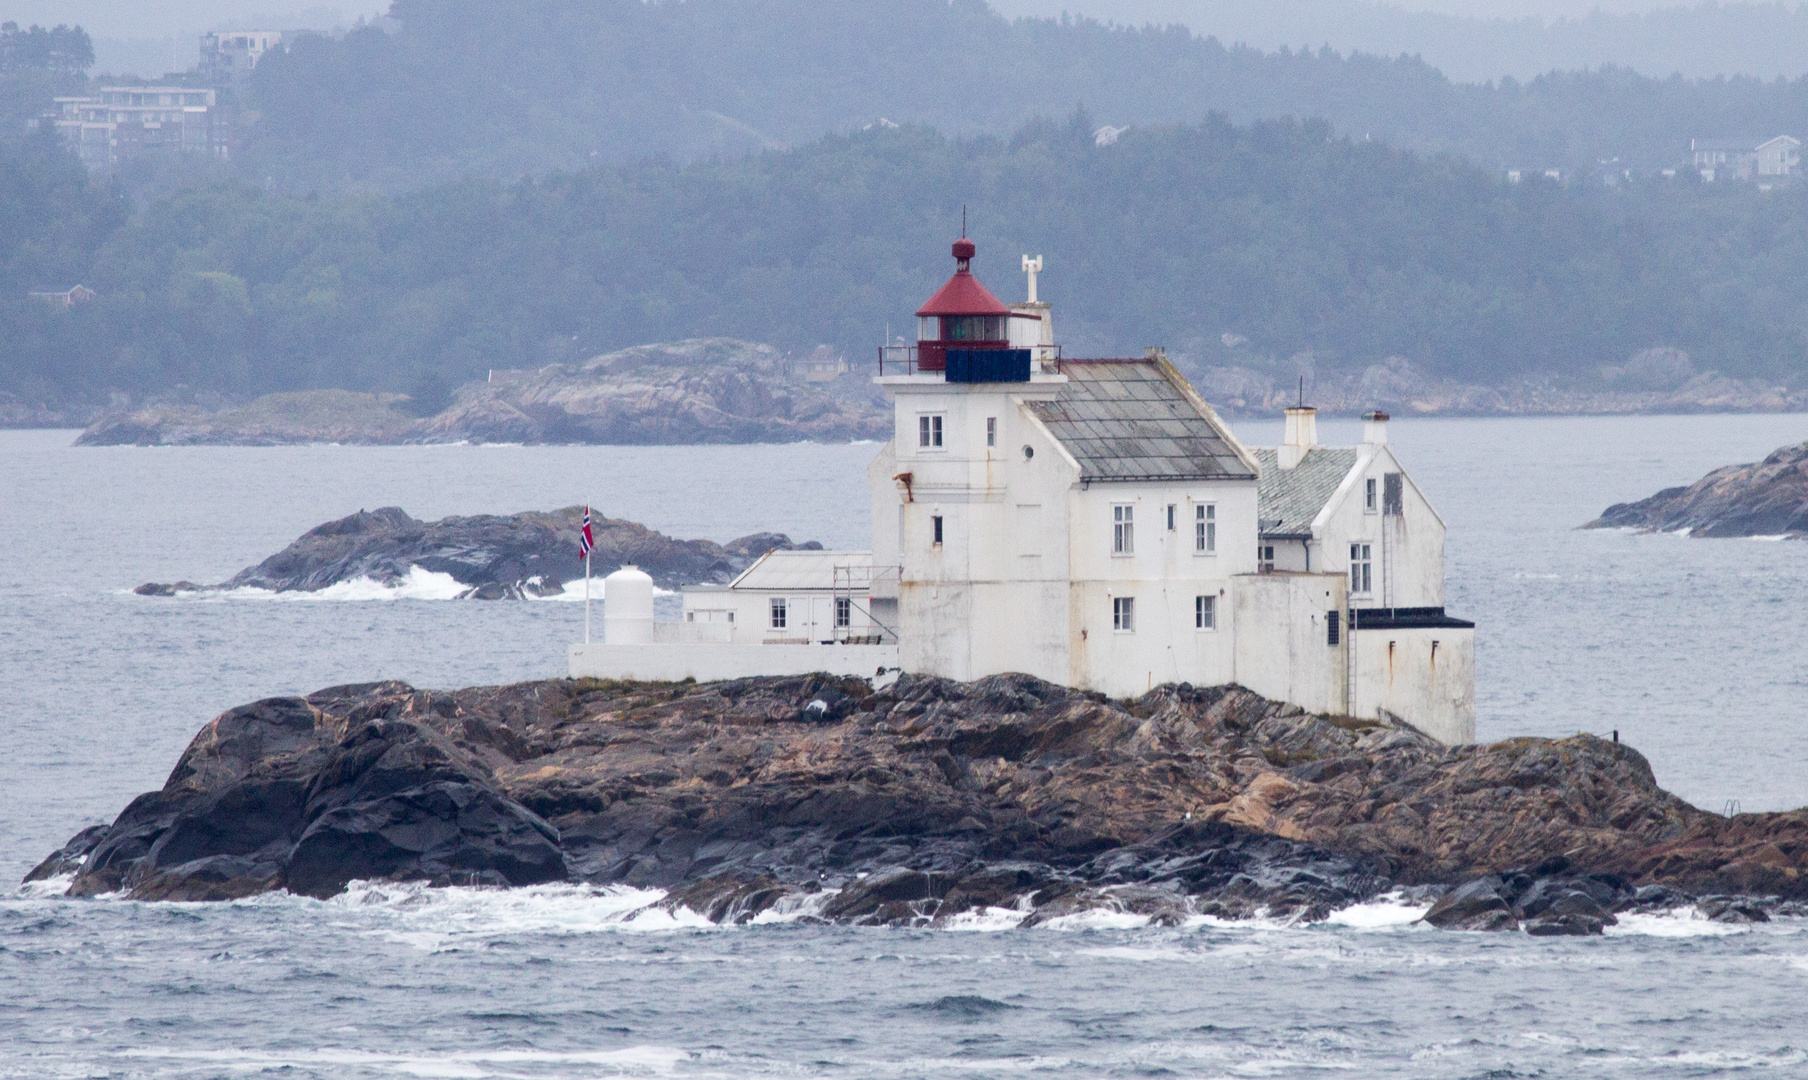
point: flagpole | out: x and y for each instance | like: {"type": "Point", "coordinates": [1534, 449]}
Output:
{"type": "Point", "coordinates": [586, 598]}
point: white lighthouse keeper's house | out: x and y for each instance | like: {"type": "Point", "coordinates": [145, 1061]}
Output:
{"type": "Point", "coordinates": [1094, 523]}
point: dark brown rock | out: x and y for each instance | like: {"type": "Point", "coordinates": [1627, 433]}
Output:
{"type": "Point", "coordinates": [926, 801]}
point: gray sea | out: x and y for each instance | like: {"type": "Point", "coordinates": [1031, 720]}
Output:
{"type": "Point", "coordinates": [1692, 649]}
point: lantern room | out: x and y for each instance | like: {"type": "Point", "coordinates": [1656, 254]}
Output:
{"type": "Point", "coordinates": [963, 314]}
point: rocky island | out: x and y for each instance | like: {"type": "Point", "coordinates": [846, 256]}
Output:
{"type": "Point", "coordinates": [494, 556]}
{"type": "Point", "coordinates": [924, 802]}
{"type": "Point", "coordinates": [1766, 498]}
{"type": "Point", "coordinates": [707, 390]}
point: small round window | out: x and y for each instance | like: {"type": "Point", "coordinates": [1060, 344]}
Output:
{"type": "Point", "coordinates": [1029, 452]}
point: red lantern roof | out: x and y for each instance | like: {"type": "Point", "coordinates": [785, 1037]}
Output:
{"type": "Point", "coordinates": [963, 295]}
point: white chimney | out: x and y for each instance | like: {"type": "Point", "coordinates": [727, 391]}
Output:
{"type": "Point", "coordinates": [1301, 436]}
{"type": "Point", "coordinates": [1374, 428]}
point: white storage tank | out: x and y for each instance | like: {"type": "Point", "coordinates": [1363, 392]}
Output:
{"type": "Point", "coordinates": [628, 607]}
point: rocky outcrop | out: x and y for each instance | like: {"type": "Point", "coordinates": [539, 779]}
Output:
{"type": "Point", "coordinates": [1768, 498]}
{"type": "Point", "coordinates": [1661, 381]}
{"type": "Point", "coordinates": [709, 390]}
{"type": "Point", "coordinates": [926, 802]}
{"type": "Point", "coordinates": [296, 417]}
{"type": "Point", "coordinates": [497, 556]}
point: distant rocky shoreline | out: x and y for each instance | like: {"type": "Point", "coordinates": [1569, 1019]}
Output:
{"type": "Point", "coordinates": [926, 802]}
{"type": "Point", "coordinates": [711, 390]}
{"type": "Point", "coordinates": [719, 390]}
{"type": "Point", "coordinates": [1765, 498]}
{"type": "Point", "coordinates": [494, 556]}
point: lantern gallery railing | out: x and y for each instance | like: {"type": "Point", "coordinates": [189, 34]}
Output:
{"type": "Point", "coordinates": [904, 359]}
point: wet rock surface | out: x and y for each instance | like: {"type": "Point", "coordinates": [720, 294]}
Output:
{"type": "Point", "coordinates": [1766, 498]}
{"type": "Point", "coordinates": [498, 557]}
{"type": "Point", "coordinates": [1006, 799]}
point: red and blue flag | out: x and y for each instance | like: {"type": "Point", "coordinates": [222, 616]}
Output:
{"type": "Point", "coordinates": [585, 540]}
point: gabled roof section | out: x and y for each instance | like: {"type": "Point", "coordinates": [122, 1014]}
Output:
{"type": "Point", "coordinates": [1138, 420]}
{"type": "Point", "coordinates": [784, 571]}
{"type": "Point", "coordinates": [1287, 500]}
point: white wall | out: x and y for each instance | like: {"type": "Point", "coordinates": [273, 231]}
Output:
{"type": "Point", "coordinates": [1416, 537]}
{"type": "Point", "coordinates": [991, 597]}
{"type": "Point", "coordinates": [1284, 649]}
{"type": "Point", "coordinates": [1398, 671]}
{"type": "Point", "coordinates": [1164, 575]}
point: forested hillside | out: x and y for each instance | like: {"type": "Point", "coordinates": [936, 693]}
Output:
{"type": "Point", "coordinates": [1189, 236]}
{"type": "Point", "coordinates": [506, 87]}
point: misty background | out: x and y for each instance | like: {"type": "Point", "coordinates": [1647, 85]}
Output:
{"type": "Point", "coordinates": [404, 197]}
{"type": "Point", "coordinates": [1468, 40]}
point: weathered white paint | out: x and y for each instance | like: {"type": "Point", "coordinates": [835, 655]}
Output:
{"type": "Point", "coordinates": [1425, 676]}
{"type": "Point", "coordinates": [1284, 643]}
{"type": "Point", "coordinates": [706, 661]}
{"type": "Point", "coordinates": [1407, 549]}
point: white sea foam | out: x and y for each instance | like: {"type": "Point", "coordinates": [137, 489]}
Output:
{"type": "Point", "coordinates": [47, 889]}
{"type": "Point", "coordinates": [418, 585]}
{"type": "Point", "coordinates": [1679, 922]}
{"type": "Point", "coordinates": [1382, 913]}
{"type": "Point", "coordinates": [441, 919]}
{"type": "Point", "coordinates": [632, 1061]}
{"type": "Point", "coordinates": [984, 920]}
{"type": "Point", "coordinates": [1770, 539]}
{"type": "Point", "coordinates": [1096, 919]}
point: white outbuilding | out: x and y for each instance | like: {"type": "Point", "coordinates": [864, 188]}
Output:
{"type": "Point", "coordinates": [1094, 523]}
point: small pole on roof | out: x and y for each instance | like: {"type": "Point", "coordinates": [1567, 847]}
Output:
{"type": "Point", "coordinates": [1302, 391]}
{"type": "Point", "coordinates": [963, 221]}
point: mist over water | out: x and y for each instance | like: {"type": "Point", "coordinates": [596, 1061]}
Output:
{"type": "Point", "coordinates": [1689, 647]}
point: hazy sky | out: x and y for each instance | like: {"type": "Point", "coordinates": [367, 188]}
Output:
{"type": "Point", "coordinates": [1201, 12]}
{"type": "Point", "coordinates": [160, 18]}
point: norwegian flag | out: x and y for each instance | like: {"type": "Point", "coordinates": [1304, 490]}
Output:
{"type": "Point", "coordinates": [585, 540]}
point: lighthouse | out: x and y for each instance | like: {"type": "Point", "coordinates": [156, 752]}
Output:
{"type": "Point", "coordinates": [962, 317]}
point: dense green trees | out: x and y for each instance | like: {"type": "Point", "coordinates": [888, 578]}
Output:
{"type": "Point", "coordinates": [505, 87]}
{"type": "Point", "coordinates": [1279, 233]}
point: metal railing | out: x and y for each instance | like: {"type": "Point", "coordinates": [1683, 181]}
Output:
{"type": "Point", "coordinates": [902, 359]}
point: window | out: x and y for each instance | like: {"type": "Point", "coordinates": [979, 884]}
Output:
{"type": "Point", "coordinates": [1393, 494]}
{"type": "Point", "coordinates": [1368, 496]}
{"type": "Point", "coordinates": [1264, 558]}
{"type": "Point", "coordinates": [1334, 622]}
{"type": "Point", "coordinates": [1205, 613]}
{"type": "Point", "coordinates": [844, 612]}
{"type": "Point", "coordinates": [1123, 614]}
{"type": "Point", "coordinates": [778, 613]}
{"type": "Point", "coordinates": [991, 431]}
{"type": "Point", "coordinates": [1123, 530]}
{"type": "Point", "coordinates": [935, 530]}
{"type": "Point", "coordinates": [1170, 517]}
{"type": "Point", "coordinates": [929, 431]}
{"type": "Point", "coordinates": [1205, 529]}
{"type": "Point", "coordinates": [1360, 568]}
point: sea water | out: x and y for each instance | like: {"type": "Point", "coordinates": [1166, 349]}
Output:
{"type": "Point", "coordinates": [1691, 649]}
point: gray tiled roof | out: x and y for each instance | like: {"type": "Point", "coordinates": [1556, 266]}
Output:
{"type": "Point", "coordinates": [1288, 499]}
{"type": "Point", "coordinates": [1126, 420]}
